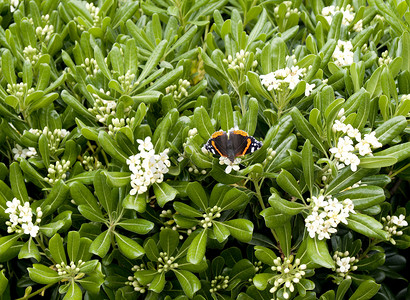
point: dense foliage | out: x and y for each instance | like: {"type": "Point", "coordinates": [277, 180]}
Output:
{"type": "Point", "coordinates": [107, 191]}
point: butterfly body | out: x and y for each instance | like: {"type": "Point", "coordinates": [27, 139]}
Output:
{"type": "Point", "coordinates": [232, 144]}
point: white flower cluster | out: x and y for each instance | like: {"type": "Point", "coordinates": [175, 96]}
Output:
{"type": "Point", "coordinates": [20, 90]}
{"type": "Point", "coordinates": [147, 167]}
{"type": "Point", "coordinates": [327, 213]}
{"type": "Point", "coordinates": [70, 270]}
{"type": "Point", "coordinates": [54, 137]}
{"type": "Point", "coordinates": [90, 65]}
{"type": "Point", "coordinates": [385, 59]}
{"type": "Point", "coordinates": [127, 81]}
{"type": "Point", "coordinates": [57, 171]}
{"type": "Point", "coordinates": [348, 15]}
{"type": "Point", "coordinates": [238, 62]}
{"type": "Point", "coordinates": [289, 273]}
{"type": "Point", "coordinates": [117, 124]}
{"type": "Point", "coordinates": [270, 154]}
{"type": "Point", "coordinates": [289, 10]}
{"type": "Point", "coordinates": [23, 153]}
{"type": "Point", "coordinates": [94, 12]}
{"type": "Point", "coordinates": [220, 282]}
{"type": "Point", "coordinates": [30, 54]}
{"type": "Point", "coordinates": [345, 148]}
{"type": "Point", "coordinates": [91, 163]}
{"type": "Point", "coordinates": [21, 218]}
{"type": "Point", "coordinates": [14, 4]}
{"type": "Point", "coordinates": [166, 263]}
{"type": "Point", "coordinates": [133, 281]}
{"type": "Point", "coordinates": [178, 91]}
{"type": "Point", "coordinates": [343, 54]}
{"type": "Point", "coordinates": [214, 212]}
{"type": "Point", "coordinates": [391, 225]}
{"type": "Point", "coordinates": [44, 33]}
{"type": "Point", "coordinates": [285, 78]}
{"type": "Point", "coordinates": [231, 165]}
{"type": "Point", "coordinates": [344, 263]}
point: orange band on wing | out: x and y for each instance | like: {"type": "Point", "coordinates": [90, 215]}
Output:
{"type": "Point", "coordinates": [213, 144]}
{"type": "Point", "coordinates": [248, 144]}
{"type": "Point", "coordinates": [241, 132]}
{"type": "Point", "coordinates": [216, 134]}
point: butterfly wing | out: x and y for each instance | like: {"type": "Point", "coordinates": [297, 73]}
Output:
{"type": "Point", "coordinates": [217, 144]}
{"type": "Point", "coordinates": [243, 143]}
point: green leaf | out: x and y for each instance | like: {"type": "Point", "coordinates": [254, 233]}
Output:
{"type": "Point", "coordinates": [399, 152]}
{"type": "Point", "coordinates": [29, 250]}
{"type": "Point", "coordinates": [234, 199]}
{"type": "Point", "coordinates": [197, 195]}
{"type": "Point", "coordinates": [139, 226]}
{"type": "Point", "coordinates": [265, 255]}
{"type": "Point", "coordinates": [363, 197]}
{"type": "Point", "coordinates": [203, 123]}
{"type": "Point", "coordinates": [367, 226]}
{"type": "Point", "coordinates": [346, 178]}
{"type": "Point", "coordinates": [158, 283]}
{"type": "Point", "coordinates": [241, 229]}
{"type": "Point", "coordinates": [308, 165]}
{"type": "Point", "coordinates": [103, 192]}
{"type": "Point", "coordinates": [196, 250]}
{"type": "Point", "coordinates": [111, 146]}
{"type": "Point", "coordinates": [43, 275]}
{"type": "Point", "coordinates": [57, 249]}
{"type": "Point", "coordinates": [73, 245]}
{"type": "Point", "coordinates": [226, 113]}
{"type": "Point", "coordinates": [7, 66]}
{"type": "Point", "coordinates": [186, 210]}
{"type": "Point", "coordinates": [366, 290]}
{"type": "Point", "coordinates": [318, 252]}
{"type": "Point", "coordinates": [130, 248]}
{"type": "Point", "coordinates": [169, 240]}
{"type": "Point", "coordinates": [220, 231]}
{"type": "Point", "coordinates": [74, 292]}
{"type": "Point", "coordinates": [7, 241]}
{"type": "Point", "coordinates": [289, 184]}
{"type": "Point", "coordinates": [377, 161]}
{"type": "Point", "coordinates": [17, 183]}
{"type": "Point", "coordinates": [261, 280]}
{"type": "Point", "coordinates": [164, 193]}
{"type": "Point", "coordinates": [343, 288]}
{"type": "Point", "coordinates": [3, 282]}
{"type": "Point", "coordinates": [153, 60]}
{"type": "Point", "coordinates": [307, 130]}
{"type": "Point", "coordinates": [285, 206]}
{"type": "Point", "coordinates": [390, 129]}
{"type": "Point", "coordinates": [189, 282]}
{"type": "Point", "coordinates": [101, 244]}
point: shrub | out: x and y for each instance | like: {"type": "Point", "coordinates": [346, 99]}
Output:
{"type": "Point", "coordinates": [108, 192]}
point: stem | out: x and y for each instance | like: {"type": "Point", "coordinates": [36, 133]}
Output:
{"type": "Point", "coordinates": [36, 292]}
{"type": "Point", "coordinates": [372, 243]}
{"type": "Point", "coordinates": [258, 194]}
{"type": "Point", "coordinates": [399, 170]}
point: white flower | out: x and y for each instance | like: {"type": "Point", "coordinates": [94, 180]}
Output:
{"type": "Point", "coordinates": [363, 147]}
{"type": "Point", "coordinates": [145, 144]}
{"type": "Point", "coordinates": [339, 126]}
{"type": "Point", "coordinates": [147, 167]}
{"type": "Point", "coordinates": [343, 54]}
{"type": "Point", "coordinates": [30, 228]}
{"type": "Point", "coordinates": [353, 132]}
{"type": "Point", "coordinates": [344, 264]}
{"type": "Point", "coordinates": [12, 206]}
{"type": "Point", "coordinates": [309, 88]}
{"type": "Point", "coordinates": [372, 140]}
{"type": "Point", "coordinates": [399, 221]}
{"type": "Point", "coordinates": [325, 216]}
{"type": "Point", "coordinates": [230, 165]}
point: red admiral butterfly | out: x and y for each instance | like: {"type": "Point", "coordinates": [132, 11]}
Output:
{"type": "Point", "coordinates": [232, 144]}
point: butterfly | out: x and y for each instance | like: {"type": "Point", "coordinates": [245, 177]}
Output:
{"type": "Point", "coordinates": [232, 144]}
